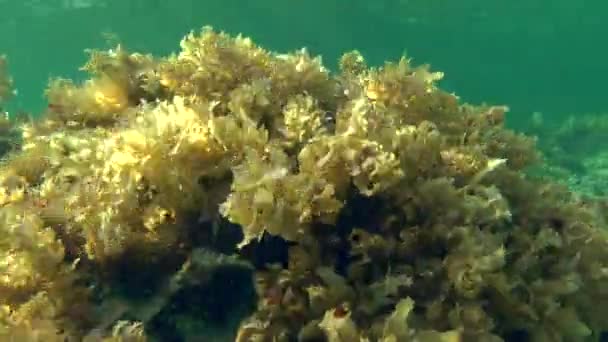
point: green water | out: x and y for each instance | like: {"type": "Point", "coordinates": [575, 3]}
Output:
{"type": "Point", "coordinates": [533, 55]}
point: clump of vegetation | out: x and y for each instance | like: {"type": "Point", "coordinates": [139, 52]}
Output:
{"type": "Point", "coordinates": [6, 83]}
{"type": "Point", "coordinates": [8, 134]}
{"type": "Point", "coordinates": [369, 204]}
{"type": "Point", "coordinates": [575, 152]}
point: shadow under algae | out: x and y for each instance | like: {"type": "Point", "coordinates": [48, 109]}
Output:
{"type": "Point", "coordinates": [361, 205]}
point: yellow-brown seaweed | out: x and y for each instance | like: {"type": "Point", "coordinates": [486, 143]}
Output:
{"type": "Point", "coordinates": [408, 214]}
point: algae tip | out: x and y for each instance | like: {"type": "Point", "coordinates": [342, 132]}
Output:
{"type": "Point", "coordinates": [491, 165]}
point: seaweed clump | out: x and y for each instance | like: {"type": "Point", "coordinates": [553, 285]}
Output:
{"type": "Point", "coordinates": [404, 214]}
{"type": "Point", "coordinates": [6, 83]}
{"type": "Point", "coordinates": [8, 131]}
{"type": "Point", "coordinates": [574, 150]}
